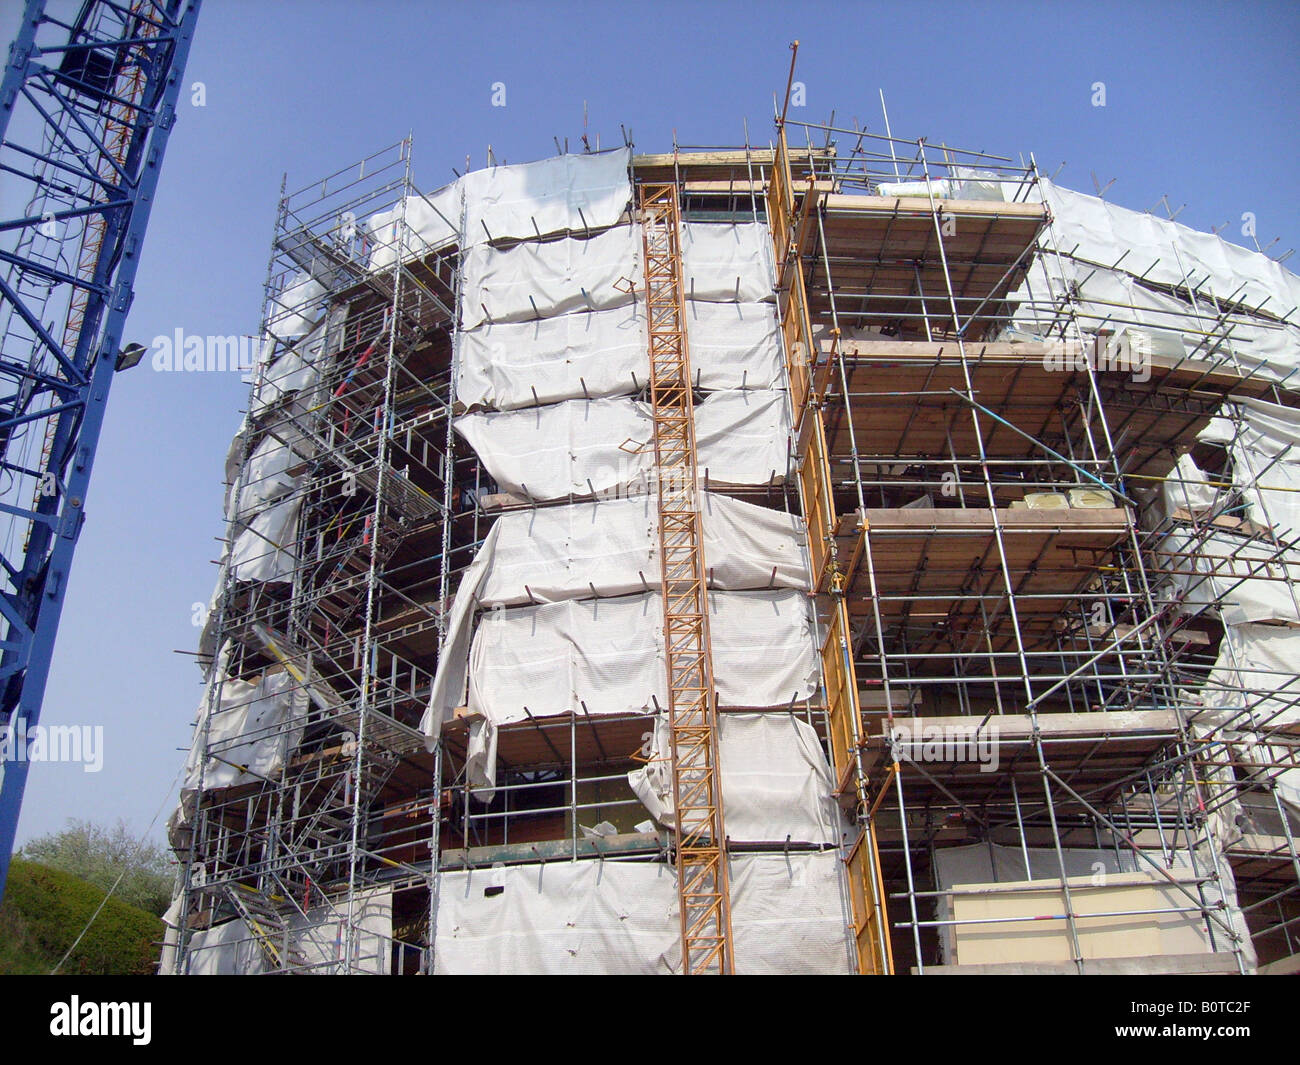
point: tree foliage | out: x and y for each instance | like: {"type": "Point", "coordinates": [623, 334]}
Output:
{"type": "Point", "coordinates": [98, 854]}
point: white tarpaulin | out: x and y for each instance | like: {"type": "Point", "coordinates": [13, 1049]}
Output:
{"type": "Point", "coordinates": [1244, 580]}
{"type": "Point", "coordinates": [267, 475]}
{"type": "Point", "coordinates": [251, 733]}
{"type": "Point", "coordinates": [595, 447]}
{"type": "Point", "coordinates": [522, 364]}
{"type": "Point", "coordinates": [789, 914]}
{"type": "Point", "coordinates": [607, 548]}
{"type": "Point", "coordinates": [776, 783]}
{"type": "Point", "coordinates": [431, 221]}
{"type": "Point", "coordinates": [577, 447]}
{"type": "Point", "coordinates": [264, 550]}
{"type": "Point", "coordinates": [726, 262]}
{"type": "Point", "coordinates": [561, 918]}
{"type": "Point", "coordinates": [592, 354]}
{"type": "Point", "coordinates": [743, 438]}
{"type": "Point", "coordinates": [1266, 466]}
{"type": "Point", "coordinates": [227, 950]}
{"type": "Point", "coordinates": [563, 194]}
{"type": "Point", "coordinates": [1163, 250]}
{"type": "Point", "coordinates": [295, 309]}
{"type": "Point", "coordinates": [540, 279]}
{"type": "Point", "coordinates": [607, 655]}
{"type": "Point", "coordinates": [316, 942]}
{"type": "Point", "coordinates": [1254, 684]}
{"type": "Point", "coordinates": [734, 345]}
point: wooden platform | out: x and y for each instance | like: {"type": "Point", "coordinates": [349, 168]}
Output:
{"type": "Point", "coordinates": [884, 256]}
{"type": "Point", "coordinates": [1089, 751]}
{"type": "Point", "coordinates": [935, 564]}
{"type": "Point", "coordinates": [904, 406]}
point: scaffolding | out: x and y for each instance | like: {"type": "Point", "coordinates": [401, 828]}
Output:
{"type": "Point", "coordinates": [1031, 698]}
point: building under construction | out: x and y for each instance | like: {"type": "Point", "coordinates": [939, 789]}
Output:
{"type": "Point", "coordinates": [839, 555]}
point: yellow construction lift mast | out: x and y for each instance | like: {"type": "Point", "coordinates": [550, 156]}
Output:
{"type": "Point", "coordinates": [792, 222]}
{"type": "Point", "coordinates": [703, 897]}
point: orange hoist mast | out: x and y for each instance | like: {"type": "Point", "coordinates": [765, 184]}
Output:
{"type": "Point", "coordinates": [692, 710]}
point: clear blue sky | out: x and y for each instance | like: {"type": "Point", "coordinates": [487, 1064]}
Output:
{"type": "Point", "coordinates": [1201, 105]}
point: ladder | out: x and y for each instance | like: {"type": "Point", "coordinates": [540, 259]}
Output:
{"type": "Point", "coordinates": [703, 899]}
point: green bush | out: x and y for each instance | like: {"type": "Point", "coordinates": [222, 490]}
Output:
{"type": "Point", "coordinates": [45, 909]}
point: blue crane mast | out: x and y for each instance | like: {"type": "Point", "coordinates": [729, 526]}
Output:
{"type": "Point", "coordinates": [86, 108]}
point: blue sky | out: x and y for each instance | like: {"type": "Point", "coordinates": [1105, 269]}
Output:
{"type": "Point", "coordinates": [1200, 105]}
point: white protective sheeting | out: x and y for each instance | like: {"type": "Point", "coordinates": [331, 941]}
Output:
{"type": "Point", "coordinates": [604, 446]}
{"type": "Point", "coordinates": [555, 553]}
{"type": "Point", "coordinates": [733, 345]}
{"type": "Point", "coordinates": [318, 941]}
{"type": "Point", "coordinates": [540, 279]}
{"type": "Point", "coordinates": [743, 438]}
{"type": "Point", "coordinates": [1188, 488]}
{"type": "Point", "coordinates": [566, 193]}
{"type": "Point", "coordinates": [562, 918]}
{"type": "Point", "coordinates": [1266, 465]}
{"type": "Point", "coordinates": [267, 475]}
{"type": "Point", "coordinates": [607, 655]}
{"type": "Point", "coordinates": [577, 447]}
{"type": "Point", "coordinates": [264, 550]}
{"type": "Point", "coordinates": [227, 950]}
{"type": "Point", "coordinates": [296, 308]}
{"type": "Point", "coordinates": [1100, 294]}
{"type": "Point", "coordinates": [776, 782]}
{"type": "Point", "coordinates": [521, 364]}
{"type": "Point", "coordinates": [1254, 659]}
{"type": "Point", "coordinates": [1239, 578]}
{"type": "Point", "coordinates": [789, 914]}
{"type": "Point", "coordinates": [726, 262]}
{"type": "Point", "coordinates": [594, 354]}
{"type": "Point", "coordinates": [431, 222]}
{"type": "Point", "coordinates": [255, 726]}
{"type": "Point", "coordinates": [1102, 233]}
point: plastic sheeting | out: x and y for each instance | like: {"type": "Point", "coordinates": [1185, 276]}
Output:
{"type": "Point", "coordinates": [555, 553]}
{"type": "Point", "coordinates": [743, 438]}
{"type": "Point", "coordinates": [606, 655]}
{"type": "Point", "coordinates": [776, 782]}
{"type": "Point", "coordinates": [251, 732]}
{"type": "Point", "coordinates": [727, 263]}
{"type": "Point", "coordinates": [565, 193]}
{"type": "Point", "coordinates": [521, 364]}
{"type": "Point", "coordinates": [596, 354]}
{"type": "Point", "coordinates": [604, 446]}
{"type": "Point", "coordinates": [267, 475]}
{"type": "Point", "coordinates": [562, 918]}
{"type": "Point", "coordinates": [540, 279]}
{"type": "Point", "coordinates": [431, 222]}
{"type": "Point", "coordinates": [1232, 575]}
{"type": "Point", "coordinates": [1102, 232]}
{"type": "Point", "coordinates": [1255, 659]}
{"type": "Point", "coordinates": [295, 310]}
{"type": "Point", "coordinates": [789, 914]}
{"type": "Point", "coordinates": [264, 551]}
{"type": "Point", "coordinates": [227, 950]}
{"type": "Point", "coordinates": [1266, 465]}
{"type": "Point", "coordinates": [317, 944]}
{"type": "Point", "coordinates": [1098, 235]}
{"type": "Point", "coordinates": [577, 447]}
